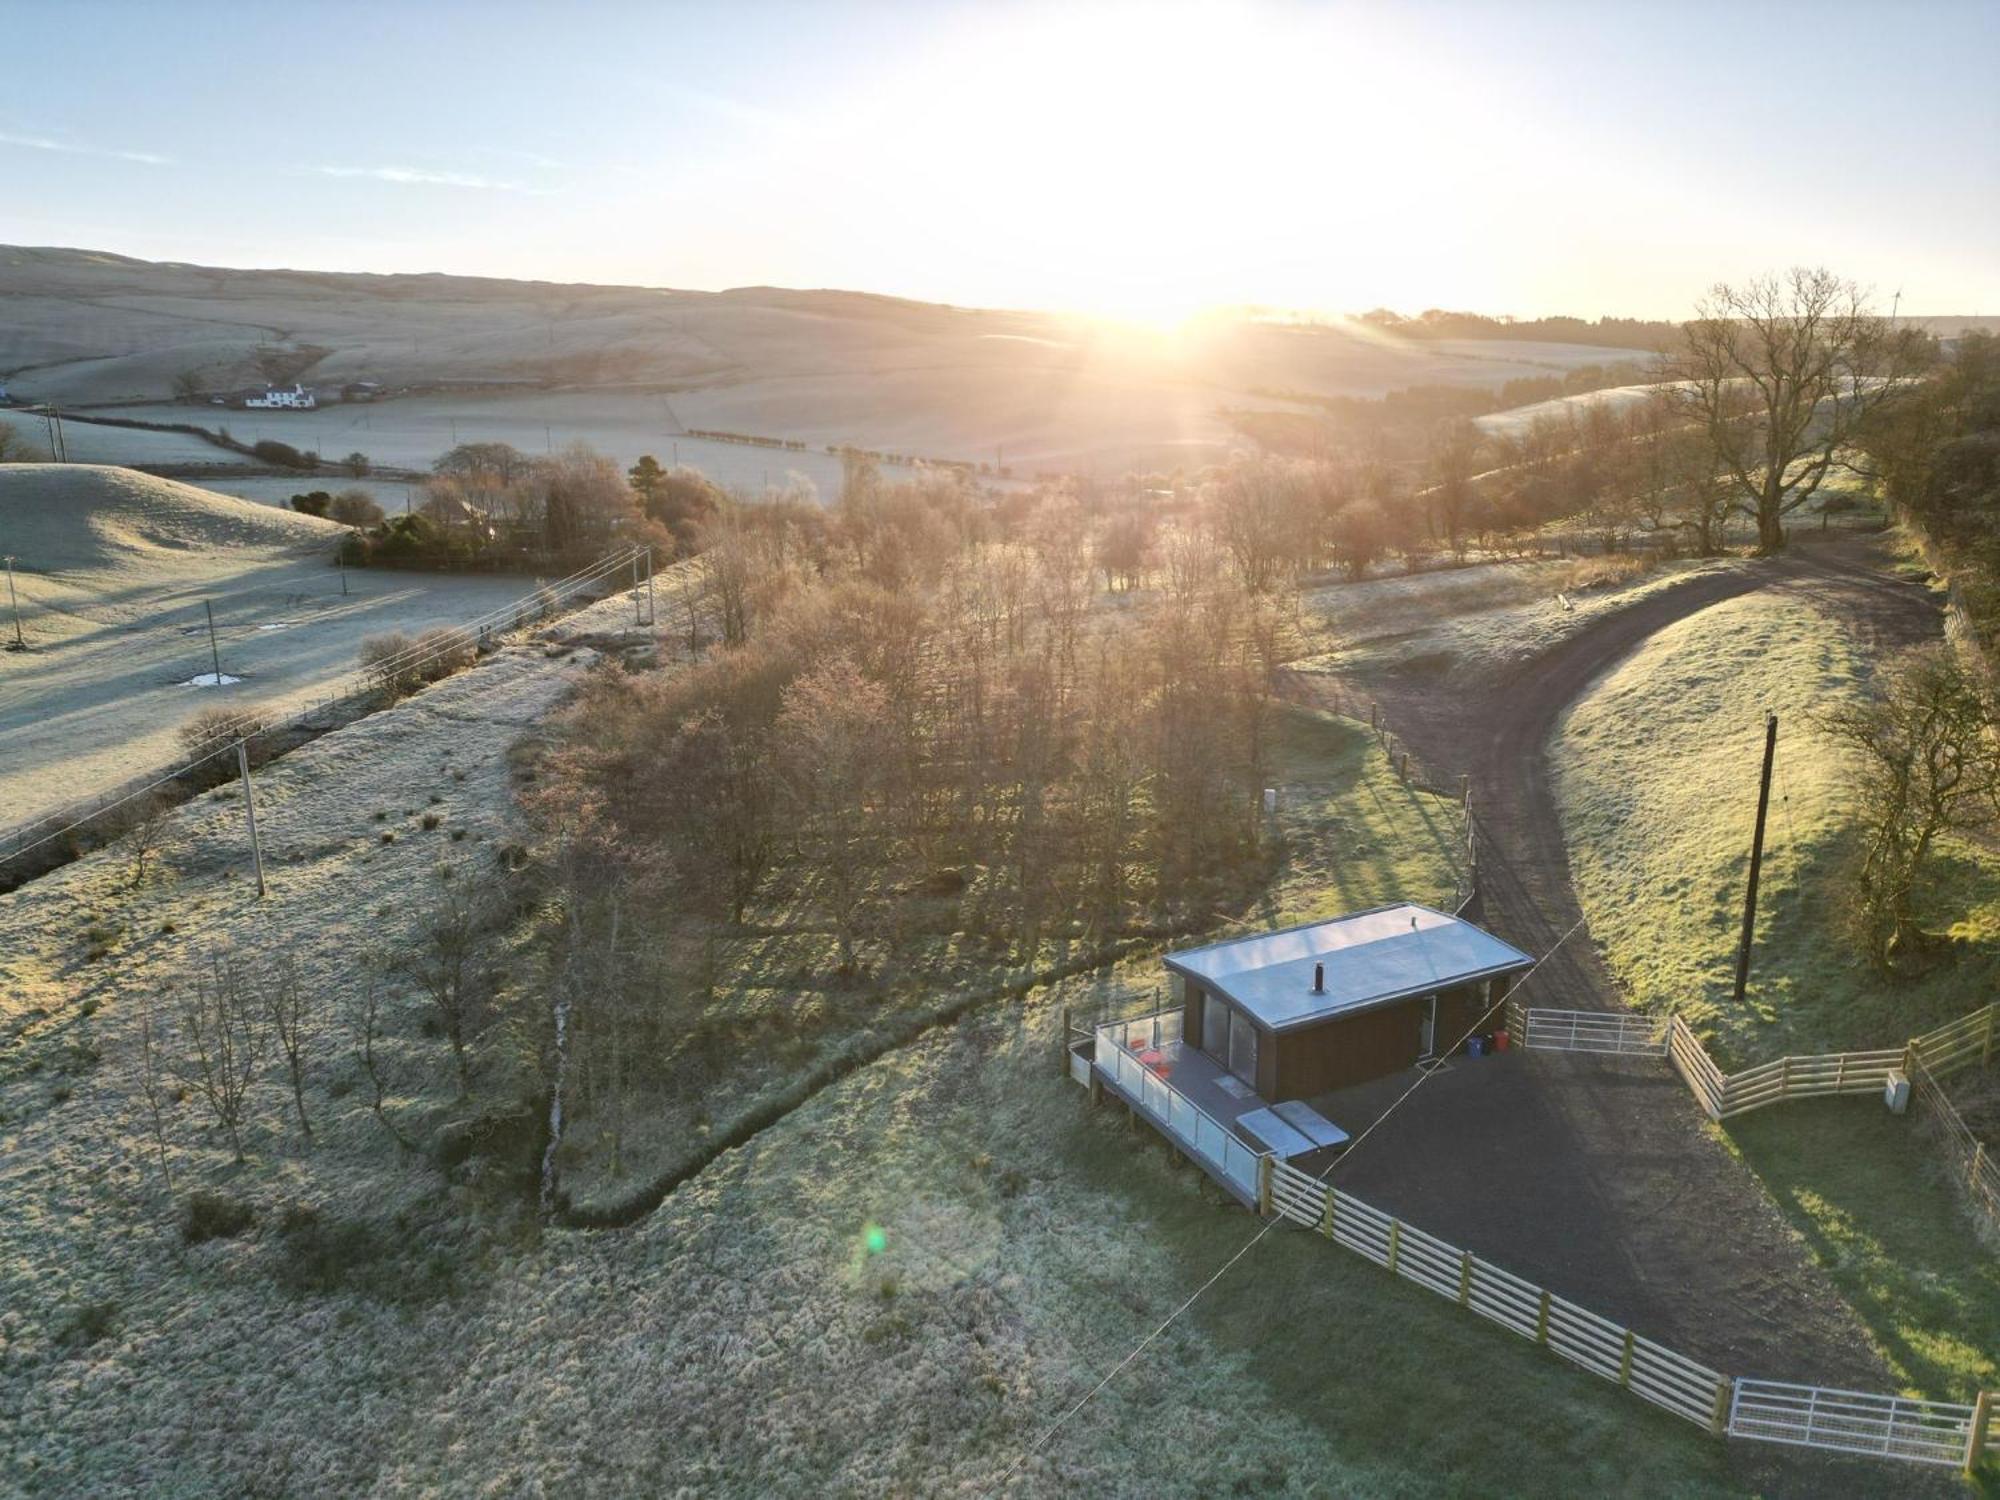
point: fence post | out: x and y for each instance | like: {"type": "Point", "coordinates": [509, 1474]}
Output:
{"type": "Point", "coordinates": [1986, 1052]}
{"type": "Point", "coordinates": [1395, 1243]}
{"type": "Point", "coordinates": [1840, 1073]}
{"type": "Point", "coordinates": [1718, 1421]}
{"type": "Point", "coordinates": [1542, 1321]}
{"type": "Point", "coordinates": [1065, 1042]}
{"type": "Point", "coordinates": [1785, 1077]}
{"type": "Point", "coordinates": [1264, 1184]}
{"type": "Point", "coordinates": [1326, 1222]}
{"type": "Point", "coordinates": [1464, 1277]}
{"type": "Point", "coordinates": [1975, 1440]}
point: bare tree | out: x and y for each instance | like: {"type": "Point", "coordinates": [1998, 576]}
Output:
{"type": "Point", "coordinates": [1257, 510]}
{"type": "Point", "coordinates": [1453, 459]}
{"type": "Point", "coordinates": [831, 748]}
{"type": "Point", "coordinates": [1928, 768]}
{"type": "Point", "coordinates": [151, 1085]}
{"type": "Point", "coordinates": [367, 1027]}
{"type": "Point", "coordinates": [355, 507]}
{"type": "Point", "coordinates": [285, 1004]}
{"type": "Point", "coordinates": [16, 449]}
{"type": "Point", "coordinates": [445, 965]}
{"type": "Point", "coordinates": [225, 1039]}
{"type": "Point", "coordinates": [1780, 373]}
{"type": "Point", "coordinates": [150, 829]}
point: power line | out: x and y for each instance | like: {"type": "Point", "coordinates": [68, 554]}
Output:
{"type": "Point", "coordinates": [1049, 1433]}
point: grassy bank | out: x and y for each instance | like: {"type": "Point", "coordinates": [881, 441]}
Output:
{"type": "Point", "coordinates": [1656, 770]}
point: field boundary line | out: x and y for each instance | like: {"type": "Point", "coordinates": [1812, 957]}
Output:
{"type": "Point", "coordinates": [530, 609]}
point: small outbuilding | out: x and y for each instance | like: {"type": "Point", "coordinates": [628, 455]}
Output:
{"type": "Point", "coordinates": [1310, 1009]}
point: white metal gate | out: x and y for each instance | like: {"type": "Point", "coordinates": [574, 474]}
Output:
{"type": "Point", "coordinates": [1613, 1031]}
{"type": "Point", "coordinates": [1810, 1416]}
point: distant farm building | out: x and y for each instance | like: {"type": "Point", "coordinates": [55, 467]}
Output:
{"type": "Point", "coordinates": [1261, 1025]}
{"type": "Point", "coordinates": [298, 398]}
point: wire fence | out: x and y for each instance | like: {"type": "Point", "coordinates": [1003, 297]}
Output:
{"type": "Point", "coordinates": [100, 812]}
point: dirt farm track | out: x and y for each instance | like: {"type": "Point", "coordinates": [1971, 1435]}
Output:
{"type": "Point", "coordinates": [1661, 1227]}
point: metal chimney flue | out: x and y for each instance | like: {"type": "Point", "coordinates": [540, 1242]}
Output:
{"type": "Point", "coordinates": [1319, 979]}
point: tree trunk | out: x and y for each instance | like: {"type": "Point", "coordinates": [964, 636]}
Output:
{"type": "Point", "coordinates": [1770, 518]}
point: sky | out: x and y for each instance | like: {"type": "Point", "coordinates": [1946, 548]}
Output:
{"type": "Point", "coordinates": [1135, 161]}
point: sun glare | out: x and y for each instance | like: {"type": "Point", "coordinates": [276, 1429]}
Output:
{"type": "Point", "coordinates": [1147, 165]}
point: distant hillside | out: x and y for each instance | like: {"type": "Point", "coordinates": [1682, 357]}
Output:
{"type": "Point", "coordinates": [80, 328]}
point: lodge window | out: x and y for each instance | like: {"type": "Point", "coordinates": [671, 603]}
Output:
{"type": "Point", "coordinates": [1242, 1047]}
{"type": "Point", "coordinates": [1214, 1028]}
{"type": "Point", "coordinates": [1229, 1036]}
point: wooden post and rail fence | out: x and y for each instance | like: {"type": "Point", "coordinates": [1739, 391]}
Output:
{"type": "Point", "coordinates": [1953, 1434]}
{"type": "Point", "coordinates": [1897, 1427]}
{"type": "Point", "coordinates": [1923, 1061]}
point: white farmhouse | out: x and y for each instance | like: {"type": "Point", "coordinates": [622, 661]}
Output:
{"type": "Point", "coordinates": [298, 398]}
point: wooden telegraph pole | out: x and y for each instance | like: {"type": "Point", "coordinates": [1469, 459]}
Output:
{"type": "Point", "coordinates": [214, 654]}
{"type": "Point", "coordinates": [14, 600]}
{"type": "Point", "coordinates": [1756, 856]}
{"type": "Point", "coordinates": [250, 807]}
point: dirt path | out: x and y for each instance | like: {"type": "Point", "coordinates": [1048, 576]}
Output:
{"type": "Point", "coordinates": [1706, 1263]}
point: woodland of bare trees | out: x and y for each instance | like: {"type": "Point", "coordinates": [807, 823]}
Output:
{"type": "Point", "coordinates": [915, 715]}
{"type": "Point", "coordinates": [1937, 457]}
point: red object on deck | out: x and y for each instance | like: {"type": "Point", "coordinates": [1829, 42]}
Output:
{"type": "Point", "coordinates": [1500, 1041]}
{"type": "Point", "coordinates": [1155, 1061]}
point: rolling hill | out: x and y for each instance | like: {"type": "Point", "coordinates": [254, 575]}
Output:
{"type": "Point", "coordinates": [1030, 389]}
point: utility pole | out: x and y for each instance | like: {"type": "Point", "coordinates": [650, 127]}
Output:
{"type": "Point", "coordinates": [15, 600]}
{"type": "Point", "coordinates": [214, 655]}
{"type": "Point", "coordinates": [250, 807]}
{"type": "Point", "coordinates": [651, 617]}
{"type": "Point", "coordinates": [1756, 855]}
{"type": "Point", "coordinates": [635, 587]}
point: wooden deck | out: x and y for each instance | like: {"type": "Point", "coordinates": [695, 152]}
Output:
{"type": "Point", "coordinates": [1190, 1097]}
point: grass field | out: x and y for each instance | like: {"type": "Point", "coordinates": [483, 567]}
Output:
{"type": "Point", "coordinates": [1656, 769]}
{"type": "Point", "coordinates": [117, 573]}
{"type": "Point", "coordinates": [744, 1339]}
{"type": "Point", "coordinates": [1479, 619]}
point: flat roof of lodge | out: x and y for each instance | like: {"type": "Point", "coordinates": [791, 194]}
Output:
{"type": "Point", "coordinates": [1372, 958]}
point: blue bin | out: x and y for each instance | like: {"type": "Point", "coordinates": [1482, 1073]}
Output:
{"type": "Point", "coordinates": [1475, 1046]}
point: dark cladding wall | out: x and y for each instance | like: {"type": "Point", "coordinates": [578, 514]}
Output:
{"type": "Point", "coordinates": [1346, 1050]}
